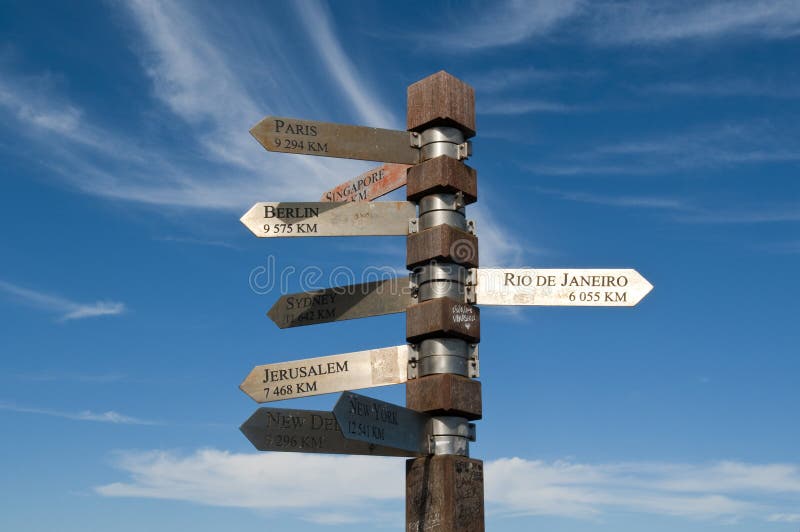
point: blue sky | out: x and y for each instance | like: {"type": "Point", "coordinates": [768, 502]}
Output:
{"type": "Point", "coordinates": [643, 135]}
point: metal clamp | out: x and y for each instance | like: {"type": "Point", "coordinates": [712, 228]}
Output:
{"type": "Point", "coordinates": [440, 280]}
{"type": "Point", "coordinates": [442, 208]}
{"type": "Point", "coordinates": [441, 271]}
{"type": "Point", "coordinates": [413, 226]}
{"type": "Point", "coordinates": [438, 141]}
{"type": "Point", "coordinates": [450, 435]}
{"type": "Point", "coordinates": [471, 229]}
{"type": "Point", "coordinates": [443, 355]}
{"type": "Point", "coordinates": [442, 202]}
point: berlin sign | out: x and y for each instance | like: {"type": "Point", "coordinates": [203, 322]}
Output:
{"type": "Point", "coordinates": [300, 219]}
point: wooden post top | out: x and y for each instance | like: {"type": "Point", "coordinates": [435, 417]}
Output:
{"type": "Point", "coordinates": [441, 100]}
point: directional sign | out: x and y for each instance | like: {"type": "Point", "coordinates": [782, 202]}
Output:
{"type": "Point", "coordinates": [375, 298]}
{"type": "Point", "coordinates": [309, 137]}
{"type": "Point", "coordinates": [380, 423]}
{"type": "Point", "coordinates": [369, 185]}
{"type": "Point", "coordinates": [337, 373]}
{"type": "Point", "coordinates": [283, 219]}
{"type": "Point", "coordinates": [580, 288]}
{"type": "Point", "coordinates": [306, 431]}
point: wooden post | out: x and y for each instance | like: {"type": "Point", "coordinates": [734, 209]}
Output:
{"type": "Point", "coordinates": [444, 492]}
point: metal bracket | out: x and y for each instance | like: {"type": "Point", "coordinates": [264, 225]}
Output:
{"type": "Point", "coordinates": [413, 226]}
{"type": "Point", "coordinates": [415, 140]}
{"type": "Point", "coordinates": [464, 150]}
{"type": "Point", "coordinates": [470, 286]}
{"type": "Point", "coordinates": [412, 371]}
{"type": "Point", "coordinates": [413, 283]}
{"type": "Point", "coordinates": [450, 435]}
{"type": "Point", "coordinates": [459, 200]}
{"type": "Point", "coordinates": [474, 362]}
{"type": "Point", "coordinates": [471, 227]}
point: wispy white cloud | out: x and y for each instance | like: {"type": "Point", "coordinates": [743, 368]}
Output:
{"type": "Point", "coordinates": [69, 310]}
{"type": "Point", "coordinates": [654, 22]}
{"type": "Point", "coordinates": [720, 146]}
{"type": "Point", "coordinates": [685, 211]}
{"type": "Point", "coordinates": [109, 416]}
{"type": "Point", "coordinates": [195, 85]}
{"type": "Point", "coordinates": [784, 518]}
{"type": "Point", "coordinates": [326, 485]}
{"type": "Point", "coordinates": [646, 202]}
{"type": "Point", "coordinates": [196, 241]}
{"type": "Point", "coordinates": [320, 30]}
{"type": "Point", "coordinates": [723, 87]}
{"type": "Point", "coordinates": [502, 79]}
{"type": "Point", "coordinates": [72, 377]}
{"type": "Point", "coordinates": [746, 215]}
{"type": "Point", "coordinates": [788, 247]}
{"type": "Point", "coordinates": [522, 107]}
{"type": "Point", "coordinates": [506, 23]}
{"type": "Point", "coordinates": [500, 245]}
{"type": "Point", "coordinates": [621, 23]}
{"type": "Point", "coordinates": [330, 485]}
{"type": "Point", "coordinates": [192, 78]}
{"type": "Point", "coordinates": [40, 111]}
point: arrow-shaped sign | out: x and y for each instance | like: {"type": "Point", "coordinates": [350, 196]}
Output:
{"type": "Point", "coordinates": [375, 298]}
{"type": "Point", "coordinates": [285, 219]}
{"type": "Point", "coordinates": [309, 137]}
{"type": "Point", "coordinates": [337, 373]}
{"type": "Point", "coordinates": [306, 431]}
{"type": "Point", "coordinates": [584, 288]}
{"type": "Point", "coordinates": [370, 185]}
{"type": "Point", "coordinates": [380, 423]}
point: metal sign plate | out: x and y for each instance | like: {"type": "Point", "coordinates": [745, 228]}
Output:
{"type": "Point", "coordinates": [306, 431]}
{"type": "Point", "coordinates": [309, 137]}
{"type": "Point", "coordinates": [337, 373]}
{"type": "Point", "coordinates": [375, 298]}
{"type": "Point", "coordinates": [370, 185]}
{"type": "Point", "coordinates": [381, 423]}
{"type": "Point", "coordinates": [301, 219]}
{"type": "Point", "coordinates": [560, 287]}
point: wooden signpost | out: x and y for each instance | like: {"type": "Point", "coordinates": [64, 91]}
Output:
{"type": "Point", "coordinates": [444, 486]}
